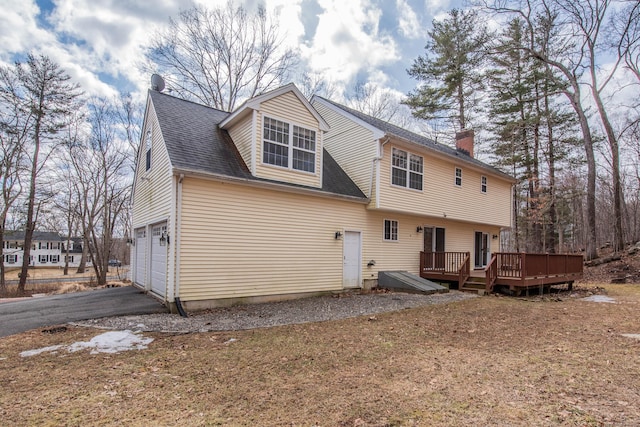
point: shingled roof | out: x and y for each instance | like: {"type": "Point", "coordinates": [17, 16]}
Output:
{"type": "Point", "coordinates": [403, 134]}
{"type": "Point", "coordinates": [195, 143]}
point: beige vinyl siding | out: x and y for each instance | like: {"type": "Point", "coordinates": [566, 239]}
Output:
{"type": "Point", "coordinates": [404, 254]}
{"type": "Point", "coordinates": [241, 136]}
{"type": "Point", "coordinates": [351, 145]}
{"type": "Point", "coordinates": [287, 107]}
{"type": "Point", "coordinates": [152, 195]}
{"type": "Point", "coordinates": [440, 196]}
{"type": "Point", "coordinates": [241, 241]}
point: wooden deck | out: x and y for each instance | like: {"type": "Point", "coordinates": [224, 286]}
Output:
{"type": "Point", "coordinates": [516, 272]}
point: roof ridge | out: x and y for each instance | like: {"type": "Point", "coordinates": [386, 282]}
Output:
{"type": "Point", "coordinates": [188, 100]}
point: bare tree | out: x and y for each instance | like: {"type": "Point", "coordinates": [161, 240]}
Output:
{"type": "Point", "coordinates": [45, 98]}
{"type": "Point", "coordinates": [14, 134]}
{"type": "Point", "coordinates": [101, 184]}
{"type": "Point", "coordinates": [221, 55]}
{"type": "Point", "coordinates": [374, 101]}
{"type": "Point", "coordinates": [311, 84]}
{"type": "Point", "coordinates": [129, 117]}
{"type": "Point", "coordinates": [573, 54]}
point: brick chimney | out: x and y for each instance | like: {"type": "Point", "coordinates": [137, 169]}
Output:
{"type": "Point", "coordinates": [464, 141]}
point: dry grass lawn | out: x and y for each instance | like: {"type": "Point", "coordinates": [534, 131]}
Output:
{"type": "Point", "coordinates": [486, 361]}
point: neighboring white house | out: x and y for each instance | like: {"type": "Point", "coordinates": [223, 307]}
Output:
{"type": "Point", "coordinates": [47, 249]}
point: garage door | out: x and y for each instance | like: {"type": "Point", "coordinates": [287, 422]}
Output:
{"type": "Point", "coordinates": [159, 259]}
{"type": "Point", "coordinates": [140, 253]}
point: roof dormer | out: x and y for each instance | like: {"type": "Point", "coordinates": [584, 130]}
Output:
{"type": "Point", "coordinates": [280, 136]}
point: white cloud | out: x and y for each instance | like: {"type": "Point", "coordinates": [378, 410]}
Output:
{"type": "Point", "coordinates": [20, 32]}
{"type": "Point", "coordinates": [408, 21]}
{"type": "Point", "coordinates": [437, 5]}
{"type": "Point", "coordinates": [348, 42]}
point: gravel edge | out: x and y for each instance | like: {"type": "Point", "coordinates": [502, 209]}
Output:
{"type": "Point", "coordinates": [266, 315]}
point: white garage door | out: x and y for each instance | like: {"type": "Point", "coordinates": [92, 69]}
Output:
{"type": "Point", "coordinates": [159, 259]}
{"type": "Point", "coordinates": [140, 251]}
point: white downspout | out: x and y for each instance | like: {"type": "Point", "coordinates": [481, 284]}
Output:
{"type": "Point", "coordinates": [178, 217]}
{"type": "Point", "coordinates": [373, 170]}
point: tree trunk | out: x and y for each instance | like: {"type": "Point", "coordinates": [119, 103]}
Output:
{"type": "Point", "coordinates": [591, 250]}
{"type": "Point", "coordinates": [618, 197]}
{"type": "Point", "coordinates": [82, 266]}
{"type": "Point", "coordinates": [31, 225]}
{"type": "Point", "coordinates": [553, 217]}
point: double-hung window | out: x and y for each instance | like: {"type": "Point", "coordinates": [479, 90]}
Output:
{"type": "Point", "coordinates": [458, 177]}
{"type": "Point", "coordinates": [483, 184]}
{"type": "Point", "coordinates": [288, 146]}
{"type": "Point", "coordinates": [391, 230]}
{"type": "Point", "coordinates": [406, 169]}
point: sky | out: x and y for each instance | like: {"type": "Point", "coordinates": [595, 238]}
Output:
{"type": "Point", "coordinates": [100, 43]}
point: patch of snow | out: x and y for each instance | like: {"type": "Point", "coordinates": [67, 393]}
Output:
{"type": "Point", "coordinates": [600, 298]}
{"type": "Point", "coordinates": [50, 349]}
{"type": "Point", "coordinates": [229, 341]}
{"type": "Point", "coordinates": [634, 336]}
{"type": "Point", "coordinates": [108, 342]}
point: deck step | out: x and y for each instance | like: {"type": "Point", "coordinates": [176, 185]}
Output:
{"type": "Point", "coordinates": [473, 285]}
{"type": "Point", "coordinates": [405, 281]}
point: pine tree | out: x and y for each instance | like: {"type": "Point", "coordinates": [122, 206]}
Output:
{"type": "Point", "coordinates": [448, 74]}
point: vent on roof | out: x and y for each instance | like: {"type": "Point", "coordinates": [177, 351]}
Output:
{"type": "Point", "coordinates": [157, 82]}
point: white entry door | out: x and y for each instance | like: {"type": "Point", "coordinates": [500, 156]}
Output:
{"type": "Point", "coordinates": [352, 260]}
{"type": "Point", "coordinates": [140, 254]}
{"type": "Point", "coordinates": [159, 259]}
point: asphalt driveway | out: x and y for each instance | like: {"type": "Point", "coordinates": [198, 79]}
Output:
{"type": "Point", "coordinates": [20, 316]}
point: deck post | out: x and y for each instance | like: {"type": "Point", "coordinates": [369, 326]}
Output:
{"type": "Point", "coordinates": [523, 267]}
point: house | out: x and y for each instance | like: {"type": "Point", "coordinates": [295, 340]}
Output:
{"type": "Point", "coordinates": [286, 197]}
{"type": "Point", "coordinates": [47, 249]}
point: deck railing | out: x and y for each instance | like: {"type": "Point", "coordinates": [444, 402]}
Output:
{"type": "Point", "coordinates": [525, 265]}
{"type": "Point", "coordinates": [491, 273]}
{"type": "Point", "coordinates": [443, 262]}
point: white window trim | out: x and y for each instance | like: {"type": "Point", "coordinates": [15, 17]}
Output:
{"type": "Point", "coordinates": [484, 184]}
{"type": "Point", "coordinates": [455, 177]}
{"type": "Point", "coordinates": [290, 147]}
{"type": "Point", "coordinates": [407, 170]}
{"type": "Point", "coordinates": [384, 230]}
{"type": "Point", "coordinates": [148, 145]}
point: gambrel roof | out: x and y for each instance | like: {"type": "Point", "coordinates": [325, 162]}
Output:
{"type": "Point", "coordinates": [380, 128]}
{"type": "Point", "coordinates": [196, 144]}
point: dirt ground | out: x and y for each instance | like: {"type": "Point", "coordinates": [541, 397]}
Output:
{"type": "Point", "coordinates": [550, 360]}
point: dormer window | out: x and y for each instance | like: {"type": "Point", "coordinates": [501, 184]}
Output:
{"type": "Point", "coordinates": [148, 149]}
{"type": "Point", "coordinates": [288, 146]}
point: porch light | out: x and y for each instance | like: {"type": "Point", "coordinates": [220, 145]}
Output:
{"type": "Point", "coordinates": [419, 229]}
{"type": "Point", "coordinates": [371, 263]}
{"type": "Point", "coordinates": [495, 237]}
{"type": "Point", "coordinates": [338, 235]}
